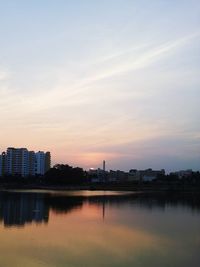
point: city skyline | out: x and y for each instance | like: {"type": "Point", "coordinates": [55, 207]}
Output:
{"type": "Point", "coordinates": [120, 84]}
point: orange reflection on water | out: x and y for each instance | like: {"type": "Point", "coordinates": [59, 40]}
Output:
{"type": "Point", "coordinates": [69, 239]}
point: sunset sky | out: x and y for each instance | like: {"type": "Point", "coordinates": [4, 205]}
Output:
{"type": "Point", "coordinates": [94, 80]}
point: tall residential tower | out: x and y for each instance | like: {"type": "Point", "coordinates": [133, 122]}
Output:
{"type": "Point", "coordinates": [21, 162]}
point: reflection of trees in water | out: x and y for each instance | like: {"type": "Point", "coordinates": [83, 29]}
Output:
{"type": "Point", "coordinates": [19, 208]}
{"type": "Point", "coordinates": [163, 200]}
{"type": "Point", "coordinates": [150, 200]}
{"type": "Point", "coordinates": [62, 204]}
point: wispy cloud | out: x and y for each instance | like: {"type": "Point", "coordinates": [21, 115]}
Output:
{"type": "Point", "coordinates": [130, 62]}
{"type": "Point", "coordinates": [119, 63]}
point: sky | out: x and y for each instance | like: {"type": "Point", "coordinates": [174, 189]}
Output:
{"type": "Point", "coordinates": [90, 80]}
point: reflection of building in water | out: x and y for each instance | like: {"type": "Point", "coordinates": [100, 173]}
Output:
{"type": "Point", "coordinates": [19, 209]}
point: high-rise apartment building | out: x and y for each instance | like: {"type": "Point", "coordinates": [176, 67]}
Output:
{"type": "Point", "coordinates": [32, 163]}
{"type": "Point", "coordinates": [17, 161]}
{"type": "Point", "coordinates": [2, 164]}
{"type": "Point", "coordinates": [47, 161]}
{"type": "Point", "coordinates": [21, 162]}
{"type": "Point", "coordinates": [40, 162]}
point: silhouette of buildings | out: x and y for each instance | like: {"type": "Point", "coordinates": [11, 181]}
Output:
{"type": "Point", "coordinates": [183, 173]}
{"type": "Point", "coordinates": [97, 175]}
{"type": "Point", "coordinates": [118, 176]}
{"type": "Point", "coordinates": [150, 175]}
{"type": "Point", "coordinates": [21, 162]}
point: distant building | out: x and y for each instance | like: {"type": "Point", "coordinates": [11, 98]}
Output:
{"type": "Point", "coordinates": [21, 162]}
{"type": "Point", "coordinates": [183, 173]}
{"type": "Point", "coordinates": [117, 176]}
{"type": "Point", "coordinates": [97, 175]}
{"type": "Point", "coordinates": [133, 175]}
{"type": "Point", "coordinates": [150, 175]}
{"type": "Point", "coordinates": [112, 176]}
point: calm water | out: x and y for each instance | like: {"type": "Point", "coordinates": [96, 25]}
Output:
{"type": "Point", "coordinates": [83, 229]}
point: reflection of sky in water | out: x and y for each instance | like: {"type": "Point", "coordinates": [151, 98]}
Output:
{"type": "Point", "coordinates": [72, 192]}
{"type": "Point", "coordinates": [89, 193]}
{"type": "Point", "coordinates": [130, 234]}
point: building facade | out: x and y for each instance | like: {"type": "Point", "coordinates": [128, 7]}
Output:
{"type": "Point", "coordinates": [17, 161]}
{"type": "Point", "coordinates": [40, 162]}
{"type": "Point", "coordinates": [2, 163]}
{"type": "Point", "coordinates": [21, 162]}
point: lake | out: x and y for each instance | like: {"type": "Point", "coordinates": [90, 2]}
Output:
{"type": "Point", "coordinates": [98, 228]}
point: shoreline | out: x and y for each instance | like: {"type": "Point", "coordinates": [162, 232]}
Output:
{"type": "Point", "coordinates": [102, 187]}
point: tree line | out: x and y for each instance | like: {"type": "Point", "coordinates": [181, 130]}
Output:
{"type": "Point", "coordinates": [64, 174]}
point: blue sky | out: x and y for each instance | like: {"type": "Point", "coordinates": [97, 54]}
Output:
{"type": "Point", "coordinates": [93, 80]}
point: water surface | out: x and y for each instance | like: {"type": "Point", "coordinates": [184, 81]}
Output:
{"type": "Point", "coordinates": [97, 228]}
